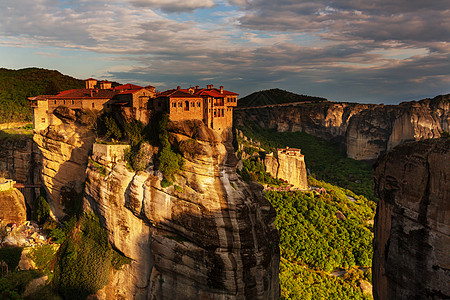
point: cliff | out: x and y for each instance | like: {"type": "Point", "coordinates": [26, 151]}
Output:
{"type": "Point", "coordinates": [412, 225]}
{"type": "Point", "coordinates": [64, 149]}
{"type": "Point", "coordinates": [364, 130]}
{"type": "Point", "coordinates": [208, 236]}
{"type": "Point", "coordinates": [289, 167]}
{"type": "Point", "coordinates": [13, 208]}
{"type": "Point", "coordinates": [20, 159]}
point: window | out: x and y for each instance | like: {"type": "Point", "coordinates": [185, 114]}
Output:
{"type": "Point", "coordinates": [93, 105]}
{"type": "Point", "coordinates": [186, 105]}
{"type": "Point", "coordinates": [43, 120]}
{"type": "Point", "coordinates": [73, 101]}
{"type": "Point", "coordinates": [192, 104]}
{"type": "Point", "coordinates": [64, 102]}
{"type": "Point", "coordinates": [180, 104]}
{"type": "Point", "coordinates": [55, 101]}
{"type": "Point", "coordinates": [198, 104]}
{"type": "Point", "coordinates": [222, 113]}
{"type": "Point", "coordinates": [174, 104]}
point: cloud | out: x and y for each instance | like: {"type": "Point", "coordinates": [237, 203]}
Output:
{"type": "Point", "coordinates": [174, 5]}
{"type": "Point", "coordinates": [343, 50]}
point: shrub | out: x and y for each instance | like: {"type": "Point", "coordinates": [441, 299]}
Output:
{"type": "Point", "coordinates": [85, 259]}
{"type": "Point", "coordinates": [42, 210]}
{"type": "Point", "coordinates": [43, 257]}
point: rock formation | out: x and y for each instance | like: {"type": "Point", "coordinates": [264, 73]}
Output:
{"type": "Point", "coordinates": [289, 165]}
{"type": "Point", "coordinates": [412, 225]}
{"type": "Point", "coordinates": [208, 236]}
{"type": "Point", "coordinates": [13, 208]}
{"type": "Point", "coordinates": [64, 149]}
{"type": "Point", "coordinates": [365, 130]}
{"type": "Point", "coordinates": [20, 160]}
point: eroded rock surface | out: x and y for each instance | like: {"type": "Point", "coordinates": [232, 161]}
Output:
{"type": "Point", "coordinates": [20, 159]}
{"type": "Point", "coordinates": [65, 150]}
{"type": "Point", "coordinates": [412, 225]}
{"type": "Point", "coordinates": [12, 207]}
{"type": "Point", "coordinates": [209, 236]}
{"type": "Point", "coordinates": [364, 130]}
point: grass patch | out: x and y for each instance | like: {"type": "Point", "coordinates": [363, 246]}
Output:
{"type": "Point", "coordinates": [100, 168]}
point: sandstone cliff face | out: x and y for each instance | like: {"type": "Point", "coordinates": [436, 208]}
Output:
{"type": "Point", "coordinates": [412, 225]}
{"type": "Point", "coordinates": [13, 208]}
{"type": "Point", "coordinates": [20, 160]}
{"type": "Point", "coordinates": [64, 149]}
{"type": "Point", "coordinates": [210, 237]}
{"type": "Point", "coordinates": [365, 130]}
{"type": "Point", "coordinates": [289, 168]}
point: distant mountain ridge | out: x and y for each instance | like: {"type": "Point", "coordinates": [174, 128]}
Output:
{"type": "Point", "coordinates": [17, 85]}
{"type": "Point", "coordinates": [274, 97]}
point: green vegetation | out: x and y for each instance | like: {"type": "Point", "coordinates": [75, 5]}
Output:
{"type": "Point", "coordinates": [254, 170]}
{"type": "Point", "coordinates": [14, 134]}
{"type": "Point", "coordinates": [311, 231]}
{"type": "Point", "coordinates": [14, 284]}
{"type": "Point", "coordinates": [100, 168]}
{"type": "Point", "coordinates": [300, 282]}
{"type": "Point", "coordinates": [11, 256]}
{"type": "Point", "coordinates": [322, 158]}
{"type": "Point", "coordinates": [169, 162]}
{"type": "Point", "coordinates": [17, 85]}
{"type": "Point", "coordinates": [42, 210]}
{"type": "Point", "coordinates": [85, 260]}
{"type": "Point", "coordinates": [43, 256]}
{"type": "Point", "coordinates": [324, 230]}
{"type": "Point", "coordinates": [274, 96]}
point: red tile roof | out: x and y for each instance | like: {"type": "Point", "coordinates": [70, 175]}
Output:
{"type": "Point", "coordinates": [90, 79]}
{"type": "Point", "coordinates": [128, 86]}
{"type": "Point", "coordinates": [85, 94]}
{"type": "Point", "coordinates": [175, 93]}
{"type": "Point", "coordinates": [130, 91]}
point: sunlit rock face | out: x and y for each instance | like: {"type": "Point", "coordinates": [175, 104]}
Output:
{"type": "Point", "coordinates": [412, 225]}
{"type": "Point", "coordinates": [13, 208]}
{"type": "Point", "coordinates": [64, 149]}
{"type": "Point", "coordinates": [364, 130]}
{"type": "Point", "coordinates": [291, 168]}
{"type": "Point", "coordinates": [208, 236]}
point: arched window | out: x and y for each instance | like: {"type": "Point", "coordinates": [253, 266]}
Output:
{"type": "Point", "coordinates": [186, 105]}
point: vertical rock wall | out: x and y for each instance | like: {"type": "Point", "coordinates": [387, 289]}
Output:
{"type": "Point", "coordinates": [412, 225]}
{"type": "Point", "coordinates": [364, 130]}
{"type": "Point", "coordinates": [208, 236]}
{"type": "Point", "coordinates": [20, 159]}
{"type": "Point", "coordinates": [289, 168]}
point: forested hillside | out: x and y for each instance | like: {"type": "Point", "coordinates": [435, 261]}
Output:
{"type": "Point", "coordinates": [275, 96]}
{"type": "Point", "coordinates": [17, 85]}
{"type": "Point", "coordinates": [325, 233]}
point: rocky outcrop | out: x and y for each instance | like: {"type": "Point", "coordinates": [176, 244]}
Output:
{"type": "Point", "coordinates": [364, 130]}
{"type": "Point", "coordinates": [208, 236]}
{"type": "Point", "coordinates": [13, 208]}
{"type": "Point", "coordinates": [412, 225]}
{"type": "Point", "coordinates": [20, 160]}
{"type": "Point", "coordinates": [288, 165]}
{"type": "Point", "coordinates": [65, 149]}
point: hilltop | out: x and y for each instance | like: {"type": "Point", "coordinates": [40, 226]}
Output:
{"type": "Point", "coordinates": [275, 96]}
{"type": "Point", "coordinates": [17, 85]}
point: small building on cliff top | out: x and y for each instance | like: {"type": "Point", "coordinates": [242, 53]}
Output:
{"type": "Point", "coordinates": [211, 105]}
{"type": "Point", "coordinates": [289, 165]}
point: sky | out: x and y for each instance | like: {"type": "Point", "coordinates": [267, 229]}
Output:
{"type": "Point", "coordinates": [378, 51]}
